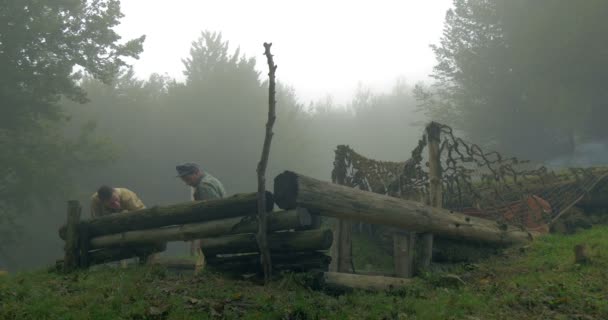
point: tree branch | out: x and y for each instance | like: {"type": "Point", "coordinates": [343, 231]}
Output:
{"type": "Point", "coordinates": [261, 170]}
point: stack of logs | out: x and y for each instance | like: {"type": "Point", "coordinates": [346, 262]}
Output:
{"type": "Point", "coordinates": [226, 228]}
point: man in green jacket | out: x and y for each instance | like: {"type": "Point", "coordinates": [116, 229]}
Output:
{"type": "Point", "coordinates": [204, 187]}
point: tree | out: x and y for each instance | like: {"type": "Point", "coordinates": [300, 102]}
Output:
{"type": "Point", "coordinates": [42, 43]}
{"type": "Point", "coordinates": [510, 71]}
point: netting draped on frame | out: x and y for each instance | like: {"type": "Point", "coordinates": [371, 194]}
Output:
{"type": "Point", "coordinates": [474, 181]}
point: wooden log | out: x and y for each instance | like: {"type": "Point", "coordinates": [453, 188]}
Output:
{"type": "Point", "coordinates": [278, 242]}
{"type": "Point", "coordinates": [182, 213]}
{"type": "Point", "coordinates": [433, 135]}
{"type": "Point", "coordinates": [281, 220]}
{"type": "Point", "coordinates": [299, 262]}
{"type": "Point", "coordinates": [403, 254]}
{"type": "Point", "coordinates": [332, 200]}
{"type": "Point", "coordinates": [106, 255]}
{"type": "Point", "coordinates": [341, 250]}
{"type": "Point", "coordinates": [175, 263]}
{"type": "Point", "coordinates": [365, 282]}
{"type": "Point", "coordinates": [72, 241]}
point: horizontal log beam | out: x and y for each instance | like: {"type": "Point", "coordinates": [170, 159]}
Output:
{"type": "Point", "coordinates": [339, 280]}
{"type": "Point", "coordinates": [175, 263]}
{"type": "Point", "coordinates": [176, 214]}
{"type": "Point", "coordinates": [281, 220]}
{"type": "Point", "coordinates": [278, 242]}
{"type": "Point", "coordinates": [116, 254]}
{"type": "Point", "coordinates": [280, 261]}
{"type": "Point", "coordinates": [324, 198]}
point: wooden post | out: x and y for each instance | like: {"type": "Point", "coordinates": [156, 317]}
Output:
{"type": "Point", "coordinates": [266, 260]}
{"type": "Point", "coordinates": [403, 253]}
{"type": "Point", "coordinates": [72, 257]}
{"type": "Point", "coordinates": [341, 249]}
{"type": "Point", "coordinates": [433, 136]}
{"type": "Point", "coordinates": [84, 245]}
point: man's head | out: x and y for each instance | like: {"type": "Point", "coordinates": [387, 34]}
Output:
{"type": "Point", "coordinates": [108, 197]}
{"type": "Point", "coordinates": [190, 173]}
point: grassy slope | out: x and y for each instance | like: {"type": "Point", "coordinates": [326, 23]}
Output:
{"type": "Point", "coordinates": [540, 282]}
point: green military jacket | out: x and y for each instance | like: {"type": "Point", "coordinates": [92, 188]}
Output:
{"type": "Point", "coordinates": [208, 188]}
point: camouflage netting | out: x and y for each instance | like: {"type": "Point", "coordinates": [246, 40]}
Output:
{"type": "Point", "coordinates": [474, 181]}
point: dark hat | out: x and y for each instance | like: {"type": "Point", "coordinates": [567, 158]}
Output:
{"type": "Point", "coordinates": [186, 169]}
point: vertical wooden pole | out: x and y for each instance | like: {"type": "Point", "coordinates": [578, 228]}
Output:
{"type": "Point", "coordinates": [334, 250]}
{"type": "Point", "coordinates": [433, 136]}
{"type": "Point", "coordinates": [342, 248]}
{"type": "Point", "coordinates": [84, 244]}
{"type": "Point", "coordinates": [261, 235]}
{"type": "Point", "coordinates": [403, 253]}
{"type": "Point", "coordinates": [71, 260]}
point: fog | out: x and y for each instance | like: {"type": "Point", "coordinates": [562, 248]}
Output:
{"type": "Point", "coordinates": [362, 74]}
{"type": "Point", "coordinates": [322, 47]}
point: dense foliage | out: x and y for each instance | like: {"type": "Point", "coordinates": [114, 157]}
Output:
{"type": "Point", "coordinates": [519, 74]}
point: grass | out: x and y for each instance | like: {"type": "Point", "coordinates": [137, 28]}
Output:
{"type": "Point", "coordinates": [540, 281]}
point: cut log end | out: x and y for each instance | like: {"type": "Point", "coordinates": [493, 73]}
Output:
{"type": "Point", "coordinates": [286, 190]}
{"type": "Point", "coordinates": [304, 217]}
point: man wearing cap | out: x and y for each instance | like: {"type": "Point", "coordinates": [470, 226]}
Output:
{"type": "Point", "coordinates": [204, 187]}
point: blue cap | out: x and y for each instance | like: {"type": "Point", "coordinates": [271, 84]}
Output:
{"type": "Point", "coordinates": [186, 169]}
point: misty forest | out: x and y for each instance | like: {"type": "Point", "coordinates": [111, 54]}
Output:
{"type": "Point", "coordinates": [477, 194]}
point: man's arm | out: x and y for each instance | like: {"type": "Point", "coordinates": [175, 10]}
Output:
{"type": "Point", "coordinates": [95, 208]}
{"type": "Point", "coordinates": [132, 202]}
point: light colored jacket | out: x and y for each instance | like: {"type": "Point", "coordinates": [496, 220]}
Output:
{"type": "Point", "coordinates": [129, 201]}
{"type": "Point", "coordinates": [208, 188]}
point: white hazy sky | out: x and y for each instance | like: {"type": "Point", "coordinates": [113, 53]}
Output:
{"type": "Point", "coordinates": [321, 47]}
